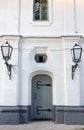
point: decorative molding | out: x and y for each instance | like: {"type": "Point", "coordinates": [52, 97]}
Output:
{"type": "Point", "coordinates": [40, 49]}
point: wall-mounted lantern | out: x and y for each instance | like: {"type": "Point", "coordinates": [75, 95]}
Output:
{"type": "Point", "coordinates": [6, 50]}
{"type": "Point", "coordinates": [76, 52]}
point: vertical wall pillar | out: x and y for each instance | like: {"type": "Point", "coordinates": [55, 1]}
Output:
{"type": "Point", "coordinates": [72, 90]}
{"type": "Point", "coordinates": [69, 20]}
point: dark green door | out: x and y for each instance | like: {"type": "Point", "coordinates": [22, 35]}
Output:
{"type": "Point", "coordinates": [42, 97]}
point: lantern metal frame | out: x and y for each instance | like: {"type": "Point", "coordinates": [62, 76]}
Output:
{"type": "Point", "coordinates": [7, 57]}
{"type": "Point", "coordinates": [76, 60]}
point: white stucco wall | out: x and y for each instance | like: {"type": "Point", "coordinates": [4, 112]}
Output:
{"type": "Point", "coordinates": [64, 29]}
{"type": "Point", "coordinates": [17, 91]}
{"type": "Point", "coordinates": [8, 93]}
{"type": "Point", "coordinates": [65, 18]}
{"type": "Point", "coordinates": [29, 66]}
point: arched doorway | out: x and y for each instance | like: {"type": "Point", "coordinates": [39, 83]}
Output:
{"type": "Point", "coordinates": [42, 108]}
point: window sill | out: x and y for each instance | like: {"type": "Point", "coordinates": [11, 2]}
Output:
{"type": "Point", "coordinates": [41, 23]}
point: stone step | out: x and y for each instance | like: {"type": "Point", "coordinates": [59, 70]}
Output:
{"type": "Point", "coordinates": [40, 125]}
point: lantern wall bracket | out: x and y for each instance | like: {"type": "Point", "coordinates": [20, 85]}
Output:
{"type": "Point", "coordinates": [74, 67]}
{"type": "Point", "coordinates": [9, 66]}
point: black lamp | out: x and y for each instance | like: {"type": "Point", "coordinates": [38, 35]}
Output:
{"type": "Point", "coordinates": [76, 52]}
{"type": "Point", "coordinates": [6, 50]}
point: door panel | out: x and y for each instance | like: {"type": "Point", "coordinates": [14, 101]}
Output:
{"type": "Point", "coordinates": [42, 97]}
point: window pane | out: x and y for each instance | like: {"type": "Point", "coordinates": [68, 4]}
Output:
{"type": "Point", "coordinates": [37, 16]}
{"type": "Point", "coordinates": [43, 1]}
{"type": "Point", "coordinates": [44, 8]}
{"type": "Point", "coordinates": [44, 12]}
{"type": "Point", "coordinates": [44, 16]}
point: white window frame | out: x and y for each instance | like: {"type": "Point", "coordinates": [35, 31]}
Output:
{"type": "Point", "coordinates": [46, 22]}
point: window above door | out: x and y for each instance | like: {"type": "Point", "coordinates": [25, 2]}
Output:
{"type": "Point", "coordinates": [41, 12]}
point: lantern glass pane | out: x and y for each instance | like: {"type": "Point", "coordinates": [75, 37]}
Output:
{"type": "Point", "coordinates": [5, 50]}
{"type": "Point", "coordinates": [10, 51]}
{"type": "Point", "coordinates": [77, 53]}
{"type": "Point", "coordinates": [72, 53]}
